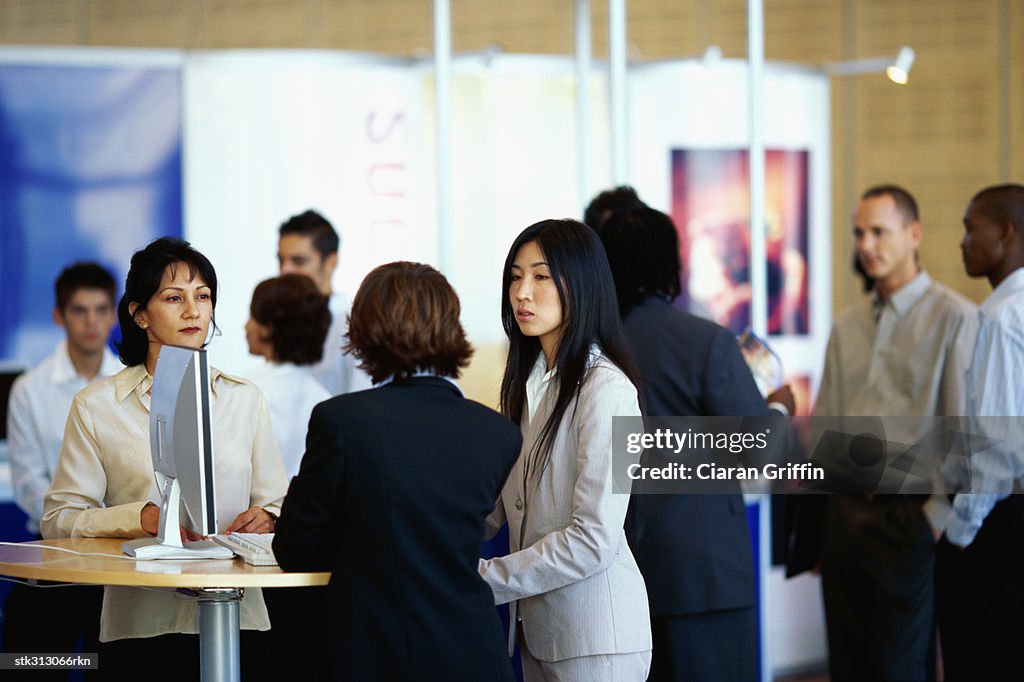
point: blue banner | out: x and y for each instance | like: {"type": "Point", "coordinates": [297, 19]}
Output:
{"type": "Point", "coordinates": [90, 169]}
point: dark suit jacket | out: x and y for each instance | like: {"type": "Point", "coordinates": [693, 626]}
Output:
{"type": "Point", "coordinates": [392, 497]}
{"type": "Point", "coordinates": [693, 550]}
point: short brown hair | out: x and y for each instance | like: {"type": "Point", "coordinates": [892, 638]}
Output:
{"type": "Point", "coordinates": [904, 200]}
{"type": "Point", "coordinates": [405, 319]}
{"type": "Point", "coordinates": [296, 313]}
{"type": "Point", "coordinates": [83, 275]}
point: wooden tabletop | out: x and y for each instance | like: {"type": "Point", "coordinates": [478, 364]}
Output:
{"type": "Point", "coordinates": [34, 560]}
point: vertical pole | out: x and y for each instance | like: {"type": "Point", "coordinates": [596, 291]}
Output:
{"type": "Point", "coordinates": [443, 133]}
{"type": "Point", "coordinates": [759, 282]}
{"type": "Point", "coordinates": [617, 89]}
{"type": "Point", "coordinates": [583, 67]}
{"type": "Point", "coordinates": [755, 98]}
{"type": "Point", "coordinates": [219, 658]}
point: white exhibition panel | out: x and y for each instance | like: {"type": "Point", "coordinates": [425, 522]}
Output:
{"type": "Point", "coordinates": [685, 105]}
{"type": "Point", "coordinates": [269, 134]}
{"type": "Point", "coordinates": [514, 163]}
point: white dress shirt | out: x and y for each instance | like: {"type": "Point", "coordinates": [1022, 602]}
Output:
{"type": "Point", "coordinates": [105, 477]}
{"type": "Point", "coordinates": [292, 392]}
{"type": "Point", "coordinates": [38, 408]}
{"type": "Point", "coordinates": [994, 391]}
{"type": "Point", "coordinates": [337, 370]}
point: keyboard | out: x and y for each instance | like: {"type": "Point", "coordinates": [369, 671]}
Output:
{"type": "Point", "coordinates": [253, 548]}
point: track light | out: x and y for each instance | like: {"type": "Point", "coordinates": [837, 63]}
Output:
{"type": "Point", "coordinates": [899, 70]}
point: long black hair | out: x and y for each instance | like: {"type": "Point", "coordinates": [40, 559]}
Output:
{"type": "Point", "coordinates": [143, 280]}
{"type": "Point", "coordinates": [579, 269]}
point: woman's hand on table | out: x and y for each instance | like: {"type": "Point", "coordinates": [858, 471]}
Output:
{"type": "Point", "coordinates": [253, 520]}
{"type": "Point", "coordinates": [150, 519]}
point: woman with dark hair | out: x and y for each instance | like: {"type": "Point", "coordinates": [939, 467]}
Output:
{"type": "Point", "coordinates": [288, 322]}
{"type": "Point", "coordinates": [578, 599]}
{"type": "Point", "coordinates": [104, 485]}
{"type": "Point", "coordinates": [393, 494]}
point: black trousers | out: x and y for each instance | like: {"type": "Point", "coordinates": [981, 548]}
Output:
{"type": "Point", "coordinates": [877, 571]}
{"type": "Point", "coordinates": [717, 646]}
{"type": "Point", "coordinates": [175, 658]}
{"type": "Point", "coordinates": [296, 636]}
{"type": "Point", "coordinates": [52, 620]}
{"type": "Point", "coordinates": [980, 598]}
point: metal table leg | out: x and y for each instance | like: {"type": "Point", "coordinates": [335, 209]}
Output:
{"type": "Point", "coordinates": [219, 659]}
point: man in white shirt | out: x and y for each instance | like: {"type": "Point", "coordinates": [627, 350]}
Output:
{"type": "Point", "coordinates": [52, 620]}
{"type": "Point", "coordinates": [979, 585]}
{"type": "Point", "coordinates": [40, 398]}
{"type": "Point", "coordinates": [308, 245]}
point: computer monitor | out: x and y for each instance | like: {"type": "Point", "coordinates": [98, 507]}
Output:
{"type": "Point", "coordinates": [7, 376]}
{"type": "Point", "coordinates": [182, 450]}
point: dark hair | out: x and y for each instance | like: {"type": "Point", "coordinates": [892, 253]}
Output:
{"type": "Point", "coordinates": [904, 200]}
{"type": "Point", "coordinates": [1003, 204]}
{"type": "Point", "coordinates": [143, 281]}
{"type": "Point", "coordinates": [405, 319]}
{"type": "Point", "coordinates": [297, 315]}
{"type": "Point", "coordinates": [83, 275]}
{"type": "Point", "coordinates": [580, 272]}
{"type": "Point", "coordinates": [313, 225]}
{"type": "Point", "coordinates": [643, 252]}
{"type": "Point", "coordinates": [609, 202]}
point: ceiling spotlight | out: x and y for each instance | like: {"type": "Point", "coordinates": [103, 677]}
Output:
{"type": "Point", "coordinates": [899, 70]}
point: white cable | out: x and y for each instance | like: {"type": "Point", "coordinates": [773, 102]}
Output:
{"type": "Point", "coordinates": [71, 551]}
{"type": "Point", "coordinates": [29, 583]}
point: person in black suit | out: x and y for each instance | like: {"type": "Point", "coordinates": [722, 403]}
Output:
{"type": "Point", "coordinates": [694, 550]}
{"type": "Point", "coordinates": [393, 493]}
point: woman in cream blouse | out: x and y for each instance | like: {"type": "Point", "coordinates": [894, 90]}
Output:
{"type": "Point", "coordinates": [104, 484]}
{"type": "Point", "coordinates": [578, 601]}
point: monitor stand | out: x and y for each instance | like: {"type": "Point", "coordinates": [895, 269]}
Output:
{"type": "Point", "coordinates": [167, 544]}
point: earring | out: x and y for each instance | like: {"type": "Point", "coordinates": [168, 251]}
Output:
{"type": "Point", "coordinates": [144, 325]}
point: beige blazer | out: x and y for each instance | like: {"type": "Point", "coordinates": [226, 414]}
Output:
{"type": "Point", "coordinates": [570, 575]}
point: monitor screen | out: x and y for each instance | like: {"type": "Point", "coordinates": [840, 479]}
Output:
{"type": "Point", "coordinates": [182, 452]}
{"type": "Point", "coordinates": [7, 377]}
{"type": "Point", "coordinates": [179, 432]}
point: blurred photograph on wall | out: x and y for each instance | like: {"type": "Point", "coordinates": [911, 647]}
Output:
{"type": "Point", "coordinates": [711, 209]}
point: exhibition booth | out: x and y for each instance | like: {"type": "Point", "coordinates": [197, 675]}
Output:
{"type": "Point", "coordinates": [103, 150]}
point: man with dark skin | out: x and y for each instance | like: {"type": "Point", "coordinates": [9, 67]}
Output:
{"type": "Point", "coordinates": [979, 591]}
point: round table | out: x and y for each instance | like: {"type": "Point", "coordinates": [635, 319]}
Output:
{"type": "Point", "coordinates": [216, 583]}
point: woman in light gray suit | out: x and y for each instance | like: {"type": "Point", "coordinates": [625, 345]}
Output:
{"type": "Point", "coordinates": [578, 603]}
